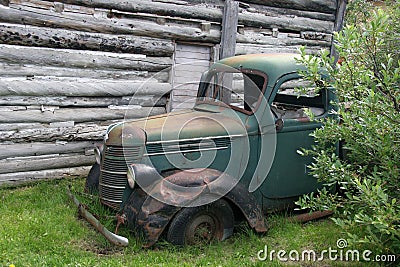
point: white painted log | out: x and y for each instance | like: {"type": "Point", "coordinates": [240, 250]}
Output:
{"type": "Point", "coordinates": [261, 37]}
{"type": "Point", "coordinates": [41, 133]}
{"type": "Point", "coordinates": [325, 6]}
{"type": "Point", "coordinates": [19, 126]}
{"type": "Point", "coordinates": [282, 21]}
{"type": "Point", "coordinates": [29, 176]}
{"type": "Point", "coordinates": [211, 11]}
{"type": "Point", "coordinates": [78, 115]}
{"type": "Point", "coordinates": [243, 49]}
{"type": "Point", "coordinates": [167, 8]}
{"type": "Point", "coordinates": [38, 16]}
{"type": "Point", "coordinates": [208, 3]}
{"type": "Point", "coordinates": [37, 149]}
{"type": "Point", "coordinates": [294, 23]}
{"type": "Point", "coordinates": [44, 162]}
{"type": "Point", "coordinates": [65, 101]}
{"type": "Point", "coordinates": [60, 38]}
{"type": "Point", "coordinates": [30, 71]}
{"type": "Point", "coordinates": [280, 10]}
{"type": "Point", "coordinates": [81, 87]}
{"type": "Point", "coordinates": [80, 59]}
{"type": "Point", "coordinates": [52, 126]}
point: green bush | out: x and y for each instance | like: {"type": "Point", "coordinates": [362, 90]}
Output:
{"type": "Point", "coordinates": [367, 84]}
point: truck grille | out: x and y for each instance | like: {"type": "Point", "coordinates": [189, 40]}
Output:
{"type": "Point", "coordinates": [113, 172]}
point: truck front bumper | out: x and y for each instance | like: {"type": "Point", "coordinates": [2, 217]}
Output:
{"type": "Point", "coordinates": [113, 238]}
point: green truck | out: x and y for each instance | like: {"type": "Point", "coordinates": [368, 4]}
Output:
{"type": "Point", "coordinates": [193, 174]}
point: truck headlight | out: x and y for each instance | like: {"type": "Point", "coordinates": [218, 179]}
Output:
{"type": "Point", "coordinates": [130, 175]}
{"type": "Point", "coordinates": [97, 154]}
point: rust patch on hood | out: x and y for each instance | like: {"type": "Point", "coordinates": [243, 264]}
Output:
{"type": "Point", "coordinates": [125, 134]}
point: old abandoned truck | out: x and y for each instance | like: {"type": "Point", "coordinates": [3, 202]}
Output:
{"type": "Point", "coordinates": [192, 174]}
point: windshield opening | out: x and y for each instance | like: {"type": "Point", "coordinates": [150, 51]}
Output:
{"type": "Point", "coordinates": [240, 89]}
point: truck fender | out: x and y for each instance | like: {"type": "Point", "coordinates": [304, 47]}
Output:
{"type": "Point", "coordinates": [149, 213]}
{"type": "Point", "coordinates": [246, 203]}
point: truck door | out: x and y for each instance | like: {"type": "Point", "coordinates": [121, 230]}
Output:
{"type": "Point", "coordinates": [289, 176]}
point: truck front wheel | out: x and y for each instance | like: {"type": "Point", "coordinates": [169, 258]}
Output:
{"type": "Point", "coordinates": [202, 224]}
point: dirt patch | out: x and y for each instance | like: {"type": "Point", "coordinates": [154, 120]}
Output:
{"type": "Point", "coordinates": [101, 249]}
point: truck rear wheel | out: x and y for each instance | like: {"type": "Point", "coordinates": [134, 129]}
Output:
{"type": "Point", "coordinates": [202, 224]}
{"type": "Point", "coordinates": [93, 179]}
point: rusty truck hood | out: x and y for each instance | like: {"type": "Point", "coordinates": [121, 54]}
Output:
{"type": "Point", "coordinates": [186, 124]}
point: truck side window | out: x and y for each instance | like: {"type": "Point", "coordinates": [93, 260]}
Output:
{"type": "Point", "coordinates": [241, 90]}
{"type": "Point", "coordinates": [246, 90]}
{"type": "Point", "coordinates": [289, 103]}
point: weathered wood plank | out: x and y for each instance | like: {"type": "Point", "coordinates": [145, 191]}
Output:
{"type": "Point", "coordinates": [181, 68]}
{"type": "Point", "coordinates": [191, 63]}
{"type": "Point", "coordinates": [193, 78]}
{"type": "Point", "coordinates": [184, 105]}
{"type": "Point", "coordinates": [78, 115]}
{"type": "Point", "coordinates": [60, 38]}
{"type": "Point", "coordinates": [185, 98]}
{"type": "Point", "coordinates": [21, 14]}
{"type": "Point", "coordinates": [81, 87]}
{"type": "Point", "coordinates": [324, 6]}
{"type": "Point", "coordinates": [41, 133]}
{"type": "Point", "coordinates": [23, 177]}
{"type": "Point", "coordinates": [37, 149]}
{"type": "Point", "coordinates": [183, 92]}
{"type": "Point", "coordinates": [64, 101]}
{"type": "Point", "coordinates": [340, 13]}
{"type": "Point", "coordinates": [229, 28]}
{"type": "Point", "coordinates": [45, 163]}
{"type": "Point", "coordinates": [193, 55]}
{"type": "Point", "coordinates": [188, 76]}
{"type": "Point", "coordinates": [35, 71]}
{"type": "Point", "coordinates": [202, 49]}
{"type": "Point", "coordinates": [14, 54]}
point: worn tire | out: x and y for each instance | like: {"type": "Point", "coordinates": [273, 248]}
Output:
{"type": "Point", "coordinates": [202, 224]}
{"type": "Point", "coordinates": [93, 179]}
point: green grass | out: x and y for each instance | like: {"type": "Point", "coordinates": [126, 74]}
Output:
{"type": "Point", "coordinates": [40, 227]}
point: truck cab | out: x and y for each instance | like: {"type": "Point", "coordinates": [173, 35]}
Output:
{"type": "Point", "coordinates": [192, 174]}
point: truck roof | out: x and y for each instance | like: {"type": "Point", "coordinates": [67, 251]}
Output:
{"type": "Point", "coordinates": [274, 65]}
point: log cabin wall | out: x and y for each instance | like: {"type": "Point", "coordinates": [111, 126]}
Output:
{"type": "Point", "coordinates": [70, 68]}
